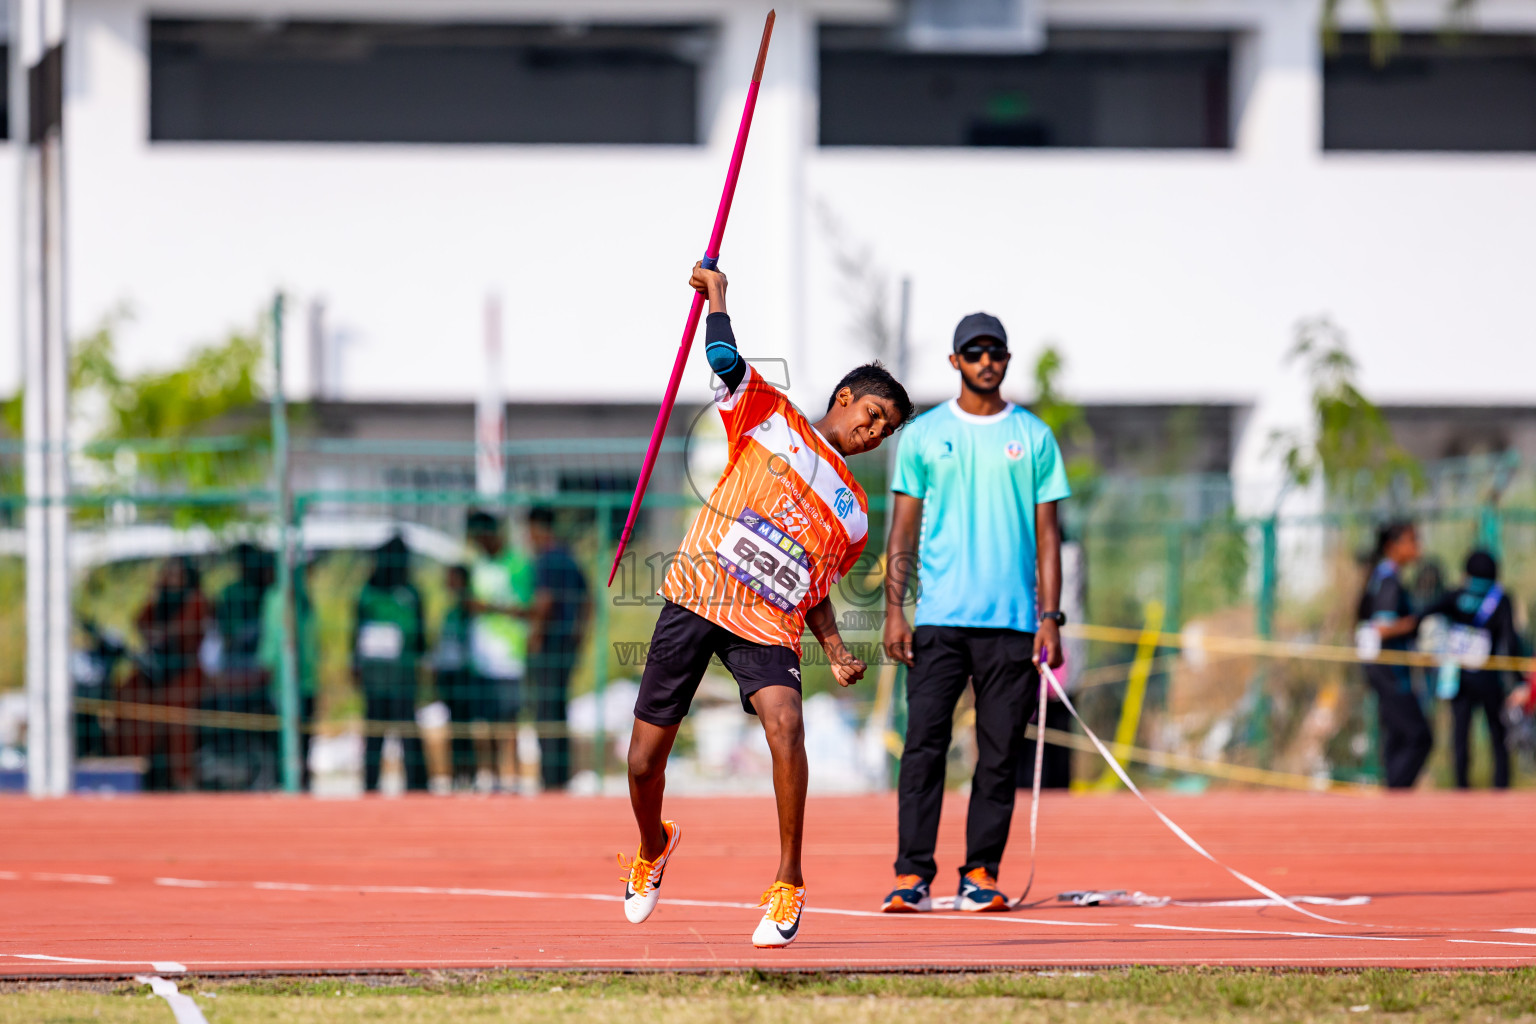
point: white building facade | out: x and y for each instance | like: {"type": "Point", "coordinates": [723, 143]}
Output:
{"type": "Point", "coordinates": [1163, 191]}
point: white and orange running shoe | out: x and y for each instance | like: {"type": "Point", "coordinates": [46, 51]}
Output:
{"type": "Point", "coordinates": [642, 878]}
{"type": "Point", "coordinates": [978, 892]}
{"type": "Point", "coordinates": [781, 920]}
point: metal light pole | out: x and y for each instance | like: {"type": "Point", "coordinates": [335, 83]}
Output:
{"type": "Point", "coordinates": [50, 733]}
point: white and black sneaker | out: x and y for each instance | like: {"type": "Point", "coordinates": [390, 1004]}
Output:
{"type": "Point", "coordinates": [978, 892]}
{"type": "Point", "coordinates": [642, 878]}
{"type": "Point", "coordinates": [781, 920]}
{"type": "Point", "coordinates": [911, 896]}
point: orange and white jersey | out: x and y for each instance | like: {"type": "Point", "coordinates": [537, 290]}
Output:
{"type": "Point", "coordinates": [785, 522]}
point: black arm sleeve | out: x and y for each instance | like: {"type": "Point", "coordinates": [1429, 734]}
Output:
{"type": "Point", "coordinates": [720, 350]}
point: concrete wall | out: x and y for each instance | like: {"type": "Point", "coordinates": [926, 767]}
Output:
{"type": "Point", "coordinates": [1165, 277]}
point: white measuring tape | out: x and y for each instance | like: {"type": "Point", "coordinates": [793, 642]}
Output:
{"type": "Point", "coordinates": [1048, 677]}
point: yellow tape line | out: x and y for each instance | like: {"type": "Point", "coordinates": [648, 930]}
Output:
{"type": "Point", "coordinates": [1284, 649]}
{"type": "Point", "coordinates": [1213, 769]}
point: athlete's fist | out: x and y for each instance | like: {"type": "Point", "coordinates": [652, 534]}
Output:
{"type": "Point", "coordinates": [846, 669]}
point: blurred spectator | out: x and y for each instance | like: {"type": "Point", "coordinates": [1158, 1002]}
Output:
{"type": "Point", "coordinates": [388, 643]}
{"type": "Point", "coordinates": [1387, 619]}
{"type": "Point", "coordinates": [454, 678]}
{"type": "Point", "coordinates": [562, 607]}
{"type": "Point", "coordinates": [306, 658]}
{"type": "Point", "coordinates": [172, 626]}
{"type": "Point", "coordinates": [501, 589]}
{"type": "Point", "coordinates": [1482, 619]}
{"type": "Point", "coordinates": [238, 679]}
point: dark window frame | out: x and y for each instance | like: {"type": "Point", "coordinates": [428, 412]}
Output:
{"type": "Point", "coordinates": [225, 80]}
{"type": "Point", "coordinates": [1204, 59]}
{"type": "Point", "coordinates": [1426, 72]}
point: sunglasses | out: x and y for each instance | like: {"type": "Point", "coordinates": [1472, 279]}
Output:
{"type": "Point", "coordinates": [973, 353]}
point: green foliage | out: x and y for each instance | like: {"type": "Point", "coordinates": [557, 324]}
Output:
{"type": "Point", "coordinates": [1385, 39]}
{"type": "Point", "coordinates": [1067, 421]}
{"type": "Point", "coordinates": [1353, 449]}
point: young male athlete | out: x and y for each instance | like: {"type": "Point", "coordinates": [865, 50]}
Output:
{"type": "Point", "coordinates": [786, 521]}
{"type": "Point", "coordinates": [977, 482]}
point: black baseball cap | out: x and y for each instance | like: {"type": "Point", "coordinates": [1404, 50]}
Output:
{"type": "Point", "coordinates": [979, 325]}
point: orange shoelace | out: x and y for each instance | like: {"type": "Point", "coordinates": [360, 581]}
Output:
{"type": "Point", "coordinates": [637, 873]}
{"type": "Point", "coordinates": [908, 881]}
{"type": "Point", "coordinates": [981, 878]}
{"type": "Point", "coordinates": [783, 901]}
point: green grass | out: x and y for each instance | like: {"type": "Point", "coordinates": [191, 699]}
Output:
{"type": "Point", "coordinates": [1139, 995]}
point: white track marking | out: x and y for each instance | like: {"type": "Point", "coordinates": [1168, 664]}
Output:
{"type": "Point", "coordinates": [1518, 931]}
{"type": "Point", "coordinates": [520, 894]}
{"type": "Point", "coordinates": [182, 1007]}
{"type": "Point", "coordinates": [163, 966]}
{"type": "Point", "coordinates": [50, 876]}
{"type": "Point", "coordinates": [1294, 935]}
{"type": "Point", "coordinates": [1493, 942]}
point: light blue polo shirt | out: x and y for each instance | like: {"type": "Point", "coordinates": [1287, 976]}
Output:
{"type": "Point", "coordinates": [980, 478]}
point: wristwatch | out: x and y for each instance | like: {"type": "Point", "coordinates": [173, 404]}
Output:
{"type": "Point", "coordinates": [1060, 618]}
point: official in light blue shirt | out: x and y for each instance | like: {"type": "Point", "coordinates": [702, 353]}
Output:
{"type": "Point", "coordinates": [979, 478]}
{"type": "Point", "coordinates": [977, 481]}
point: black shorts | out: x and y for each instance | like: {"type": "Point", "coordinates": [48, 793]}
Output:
{"type": "Point", "coordinates": [680, 651]}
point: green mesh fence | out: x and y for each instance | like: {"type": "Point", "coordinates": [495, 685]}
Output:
{"type": "Point", "coordinates": [445, 640]}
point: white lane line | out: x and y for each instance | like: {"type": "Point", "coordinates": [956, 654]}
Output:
{"type": "Point", "coordinates": [182, 1007]}
{"type": "Point", "coordinates": [163, 966]}
{"type": "Point", "coordinates": [50, 876]}
{"type": "Point", "coordinates": [1493, 942]}
{"type": "Point", "coordinates": [9, 876]}
{"type": "Point", "coordinates": [802, 960]}
{"type": "Point", "coordinates": [429, 890]}
{"type": "Point", "coordinates": [1518, 931]}
{"type": "Point", "coordinates": [1296, 935]}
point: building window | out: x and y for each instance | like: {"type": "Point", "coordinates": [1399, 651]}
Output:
{"type": "Point", "coordinates": [1459, 94]}
{"type": "Point", "coordinates": [1126, 90]}
{"type": "Point", "coordinates": [5, 91]}
{"type": "Point", "coordinates": [413, 83]}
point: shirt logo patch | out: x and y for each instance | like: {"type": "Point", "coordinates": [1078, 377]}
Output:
{"type": "Point", "coordinates": [1014, 450]}
{"type": "Point", "coordinates": [949, 450]}
{"type": "Point", "coordinates": [789, 517]}
{"type": "Point", "coordinates": [843, 502]}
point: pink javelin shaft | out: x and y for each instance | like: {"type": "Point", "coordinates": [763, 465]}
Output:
{"type": "Point", "coordinates": [711, 257]}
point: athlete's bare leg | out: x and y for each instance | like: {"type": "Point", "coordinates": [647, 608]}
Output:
{"type": "Point", "coordinates": [649, 747]}
{"type": "Point", "coordinates": [779, 709]}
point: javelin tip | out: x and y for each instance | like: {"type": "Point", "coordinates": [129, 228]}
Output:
{"type": "Point", "coordinates": [762, 49]}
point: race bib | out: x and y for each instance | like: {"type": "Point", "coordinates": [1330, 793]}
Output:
{"type": "Point", "coordinates": [380, 641]}
{"type": "Point", "coordinates": [766, 560]}
{"type": "Point", "coordinates": [1468, 646]}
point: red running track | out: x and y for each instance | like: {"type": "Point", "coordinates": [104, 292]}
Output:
{"type": "Point", "coordinates": [270, 884]}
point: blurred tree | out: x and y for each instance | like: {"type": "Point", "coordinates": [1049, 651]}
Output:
{"type": "Point", "coordinates": [1384, 36]}
{"type": "Point", "coordinates": [1350, 444]}
{"type": "Point", "coordinates": [1067, 421]}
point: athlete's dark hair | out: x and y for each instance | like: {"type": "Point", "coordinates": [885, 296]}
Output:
{"type": "Point", "coordinates": [874, 379]}
{"type": "Point", "coordinates": [543, 515]}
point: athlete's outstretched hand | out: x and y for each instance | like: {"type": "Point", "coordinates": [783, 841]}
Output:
{"type": "Point", "coordinates": [846, 669]}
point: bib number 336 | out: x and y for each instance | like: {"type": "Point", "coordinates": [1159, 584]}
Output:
{"type": "Point", "coordinates": [766, 561]}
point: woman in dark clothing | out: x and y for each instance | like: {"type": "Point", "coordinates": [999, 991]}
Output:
{"type": "Point", "coordinates": [388, 645]}
{"type": "Point", "coordinates": [1386, 611]}
{"type": "Point", "coordinates": [1482, 620]}
{"type": "Point", "coordinates": [172, 626]}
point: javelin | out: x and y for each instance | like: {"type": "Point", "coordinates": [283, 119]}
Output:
{"type": "Point", "coordinates": [711, 260]}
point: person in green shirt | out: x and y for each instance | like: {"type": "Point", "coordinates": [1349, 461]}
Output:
{"type": "Point", "coordinates": [388, 647]}
{"type": "Point", "coordinates": [269, 655]}
{"type": "Point", "coordinates": [452, 677]}
{"type": "Point", "coordinates": [501, 585]}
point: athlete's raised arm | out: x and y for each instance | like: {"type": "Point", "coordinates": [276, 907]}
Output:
{"type": "Point", "coordinates": [719, 339]}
